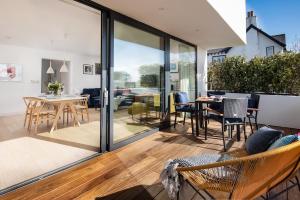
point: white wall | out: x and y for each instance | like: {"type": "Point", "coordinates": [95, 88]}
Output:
{"type": "Point", "coordinates": [233, 13]}
{"type": "Point", "coordinates": [277, 110]}
{"type": "Point", "coordinates": [201, 70]}
{"type": "Point", "coordinates": [31, 60]}
{"type": "Point", "coordinates": [256, 46]}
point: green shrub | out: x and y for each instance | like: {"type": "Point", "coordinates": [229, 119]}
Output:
{"type": "Point", "coordinates": [279, 73]}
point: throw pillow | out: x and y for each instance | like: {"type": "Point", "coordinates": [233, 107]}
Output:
{"type": "Point", "coordinates": [283, 141]}
{"type": "Point", "coordinates": [261, 140]}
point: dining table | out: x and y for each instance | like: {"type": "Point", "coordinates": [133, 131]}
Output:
{"type": "Point", "coordinates": [199, 102]}
{"type": "Point", "coordinates": [61, 102]}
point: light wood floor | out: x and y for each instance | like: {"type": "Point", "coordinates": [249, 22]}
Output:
{"type": "Point", "coordinates": [86, 136]}
{"type": "Point", "coordinates": [131, 172]}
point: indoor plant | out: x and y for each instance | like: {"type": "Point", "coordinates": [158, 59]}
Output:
{"type": "Point", "coordinates": [55, 87]}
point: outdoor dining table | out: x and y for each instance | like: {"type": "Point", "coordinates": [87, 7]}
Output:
{"type": "Point", "coordinates": [61, 102]}
{"type": "Point", "coordinates": [199, 102]}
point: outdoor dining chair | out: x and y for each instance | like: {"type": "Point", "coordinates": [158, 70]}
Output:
{"type": "Point", "coordinates": [183, 105]}
{"type": "Point", "coordinates": [234, 113]}
{"type": "Point", "coordinates": [253, 104]}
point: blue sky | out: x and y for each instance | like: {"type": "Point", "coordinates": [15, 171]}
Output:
{"type": "Point", "coordinates": [278, 16]}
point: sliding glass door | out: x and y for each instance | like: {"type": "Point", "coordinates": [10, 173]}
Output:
{"type": "Point", "coordinates": [183, 68]}
{"type": "Point", "coordinates": [137, 78]}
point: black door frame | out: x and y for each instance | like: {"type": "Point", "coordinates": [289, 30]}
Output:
{"type": "Point", "coordinates": [107, 55]}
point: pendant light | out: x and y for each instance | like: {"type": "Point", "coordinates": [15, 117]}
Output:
{"type": "Point", "coordinates": [64, 67]}
{"type": "Point", "coordinates": [50, 69]}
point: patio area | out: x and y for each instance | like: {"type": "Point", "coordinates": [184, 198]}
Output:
{"type": "Point", "coordinates": [132, 172]}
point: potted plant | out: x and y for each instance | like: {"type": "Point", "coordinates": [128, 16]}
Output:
{"type": "Point", "coordinates": [55, 88]}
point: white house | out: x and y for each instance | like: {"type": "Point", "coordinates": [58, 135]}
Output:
{"type": "Point", "coordinates": [259, 44]}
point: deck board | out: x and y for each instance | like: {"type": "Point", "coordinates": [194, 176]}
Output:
{"type": "Point", "coordinates": [129, 173]}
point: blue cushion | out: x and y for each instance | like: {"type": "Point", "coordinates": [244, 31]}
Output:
{"type": "Point", "coordinates": [261, 140]}
{"type": "Point", "coordinates": [181, 97]}
{"type": "Point", "coordinates": [186, 109]}
{"type": "Point", "coordinates": [283, 141]}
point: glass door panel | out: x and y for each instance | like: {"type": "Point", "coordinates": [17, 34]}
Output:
{"type": "Point", "coordinates": [137, 81]}
{"type": "Point", "coordinates": [183, 68]}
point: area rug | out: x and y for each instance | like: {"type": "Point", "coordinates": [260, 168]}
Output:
{"type": "Point", "coordinates": [25, 158]}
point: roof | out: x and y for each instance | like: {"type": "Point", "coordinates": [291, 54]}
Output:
{"type": "Point", "coordinates": [275, 38]}
{"type": "Point", "coordinates": [218, 51]}
{"type": "Point", "coordinates": [279, 39]}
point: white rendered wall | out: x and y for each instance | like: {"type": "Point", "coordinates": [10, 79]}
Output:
{"type": "Point", "coordinates": [233, 13]}
{"type": "Point", "coordinates": [256, 46]}
{"type": "Point", "coordinates": [277, 110]}
{"type": "Point", "coordinates": [11, 101]}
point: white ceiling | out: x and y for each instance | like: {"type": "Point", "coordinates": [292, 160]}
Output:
{"type": "Point", "coordinates": [196, 21]}
{"type": "Point", "coordinates": [50, 24]}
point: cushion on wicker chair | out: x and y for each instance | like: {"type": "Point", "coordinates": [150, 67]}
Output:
{"type": "Point", "coordinates": [261, 140]}
{"type": "Point", "coordinates": [283, 141]}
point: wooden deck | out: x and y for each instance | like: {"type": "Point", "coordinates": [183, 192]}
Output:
{"type": "Point", "coordinates": [131, 172]}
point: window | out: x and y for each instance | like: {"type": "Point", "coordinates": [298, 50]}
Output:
{"type": "Point", "coordinates": [270, 51]}
{"type": "Point", "coordinates": [220, 58]}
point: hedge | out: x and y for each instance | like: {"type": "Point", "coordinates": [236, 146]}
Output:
{"type": "Point", "coordinates": [279, 73]}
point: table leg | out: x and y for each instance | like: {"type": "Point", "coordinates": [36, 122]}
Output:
{"type": "Point", "coordinates": [58, 113]}
{"type": "Point", "coordinates": [201, 114]}
{"type": "Point", "coordinates": [238, 133]}
{"type": "Point", "coordinates": [197, 118]}
{"type": "Point", "coordinates": [73, 111]}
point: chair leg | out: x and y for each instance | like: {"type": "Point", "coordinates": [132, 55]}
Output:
{"type": "Point", "coordinates": [184, 118]}
{"type": "Point", "coordinates": [256, 124]}
{"type": "Point", "coordinates": [192, 123]}
{"type": "Point", "coordinates": [223, 135]}
{"type": "Point", "coordinates": [250, 125]}
{"type": "Point", "coordinates": [175, 120]}
{"type": "Point", "coordinates": [25, 118]}
{"type": "Point", "coordinates": [205, 126]}
{"type": "Point", "coordinates": [88, 115]}
{"type": "Point", "coordinates": [238, 130]}
{"type": "Point", "coordinates": [245, 134]}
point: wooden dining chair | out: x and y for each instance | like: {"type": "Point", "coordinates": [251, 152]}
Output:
{"type": "Point", "coordinates": [253, 104]}
{"type": "Point", "coordinates": [82, 106]}
{"type": "Point", "coordinates": [39, 112]}
{"type": "Point", "coordinates": [29, 105]}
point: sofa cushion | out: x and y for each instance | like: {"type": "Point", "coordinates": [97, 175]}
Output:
{"type": "Point", "coordinates": [261, 140]}
{"type": "Point", "coordinates": [283, 141]}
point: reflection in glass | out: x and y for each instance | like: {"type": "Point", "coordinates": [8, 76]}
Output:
{"type": "Point", "coordinates": [183, 68]}
{"type": "Point", "coordinates": [138, 72]}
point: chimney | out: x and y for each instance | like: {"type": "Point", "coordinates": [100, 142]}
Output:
{"type": "Point", "coordinates": [251, 18]}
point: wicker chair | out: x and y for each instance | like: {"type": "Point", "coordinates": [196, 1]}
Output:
{"type": "Point", "coordinates": [246, 176]}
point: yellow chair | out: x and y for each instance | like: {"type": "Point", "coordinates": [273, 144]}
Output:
{"type": "Point", "coordinates": [172, 103]}
{"type": "Point", "coordinates": [246, 176]}
{"type": "Point", "coordinates": [138, 108]}
{"type": "Point", "coordinates": [156, 104]}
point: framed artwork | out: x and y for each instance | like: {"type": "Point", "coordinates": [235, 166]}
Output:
{"type": "Point", "coordinates": [173, 67]}
{"type": "Point", "coordinates": [88, 69]}
{"type": "Point", "coordinates": [97, 68]}
{"type": "Point", "coordinates": [10, 72]}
